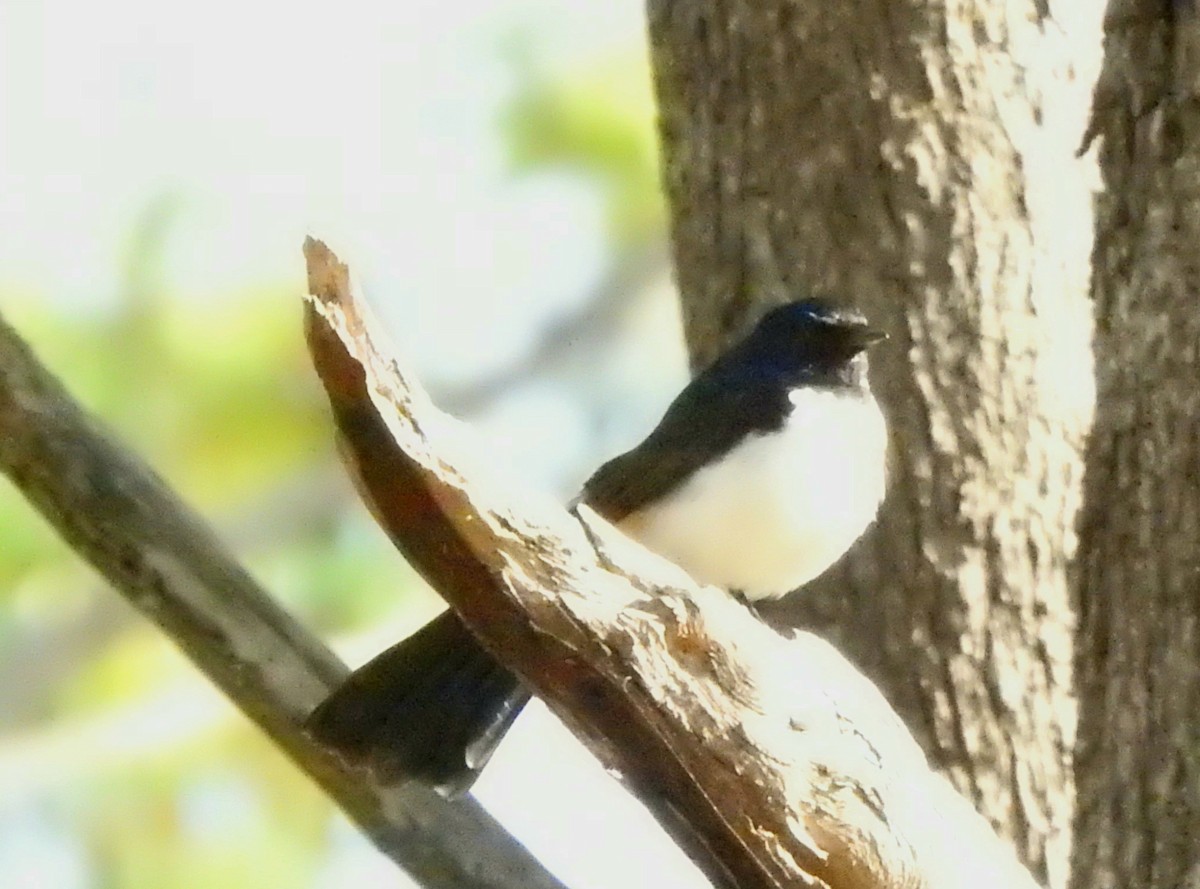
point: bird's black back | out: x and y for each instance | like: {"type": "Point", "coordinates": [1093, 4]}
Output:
{"type": "Point", "coordinates": [744, 392]}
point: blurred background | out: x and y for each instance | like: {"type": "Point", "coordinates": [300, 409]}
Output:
{"type": "Point", "coordinates": [489, 170]}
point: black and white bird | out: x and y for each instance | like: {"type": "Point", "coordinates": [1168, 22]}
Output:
{"type": "Point", "coordinates": [761, 474]}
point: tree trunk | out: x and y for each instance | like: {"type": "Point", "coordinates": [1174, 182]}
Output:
{"type": "Point", "coordinates": [920, 161]}
{"type": "Point", "coordinates": [1139, 648]}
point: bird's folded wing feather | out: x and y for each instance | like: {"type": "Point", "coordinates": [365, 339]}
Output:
{"type": "Point", "coordinates": [706, 421]}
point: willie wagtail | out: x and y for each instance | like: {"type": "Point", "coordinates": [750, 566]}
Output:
{"type": "Point", "coordinates": [761, 474]}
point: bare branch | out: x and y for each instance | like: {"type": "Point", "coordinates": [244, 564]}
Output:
{"type": "Point", "coordinates": [118, 515]}
{"type": "Point", "coordinates": [771, 760]}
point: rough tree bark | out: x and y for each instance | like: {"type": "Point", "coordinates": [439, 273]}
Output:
{"type": "Point", "coordinates": [919, 159]}
{"type": "Point", "coordinates": [773, 762]}
{"type": "Point", "coordinates": [1138, 822]}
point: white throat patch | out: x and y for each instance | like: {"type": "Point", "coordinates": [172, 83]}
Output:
{"type": "Point", "coordinates": [780, 508]}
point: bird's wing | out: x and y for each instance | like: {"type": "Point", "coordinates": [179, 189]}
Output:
{"type": "Point", "coordinates": [703, 424]}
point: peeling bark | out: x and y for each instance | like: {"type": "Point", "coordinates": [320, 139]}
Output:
{"type": "Point", "coordinates": [773, 762]}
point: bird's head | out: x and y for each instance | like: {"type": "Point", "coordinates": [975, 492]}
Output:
{"type": "Point", "coordinates": [813, 337]}
{"type": "Point", "coordinates": [818, 327]}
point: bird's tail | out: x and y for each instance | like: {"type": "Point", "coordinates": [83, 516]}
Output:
{"type": "Point", "coordinates": [431, 708]}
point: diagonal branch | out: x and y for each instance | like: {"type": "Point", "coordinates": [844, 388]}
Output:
{"type": "Point", "coordinates": [772, 761]}
{"type": "Point", "coordinates": [118, 515]}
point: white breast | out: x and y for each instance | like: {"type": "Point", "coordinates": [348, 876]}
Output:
{"type": "Point", "coordinates": [780, 508]}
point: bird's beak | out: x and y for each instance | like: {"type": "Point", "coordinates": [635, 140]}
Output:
{"type": "Point", "coordinates": [864, 337]}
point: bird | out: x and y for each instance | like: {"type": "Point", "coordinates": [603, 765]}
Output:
{"type": "Point", "coordinates": [762, 472]}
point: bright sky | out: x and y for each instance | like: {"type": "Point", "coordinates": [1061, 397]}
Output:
{"type": "Point", "coordinates": [369, 123]}
{"type": "Point", "coordinates": [257, 122]}
{"type": "Point", "coordinates": [372, 126]}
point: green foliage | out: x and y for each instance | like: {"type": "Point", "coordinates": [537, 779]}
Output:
{"type": "Point", "coordinates": [596, 117]}
{"type": "Point", "coordinates": [223, 810]}
{"type": "Point", "coordinates": [163, 784]}
{"type": "Point", "coordinates": [222, 401]}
